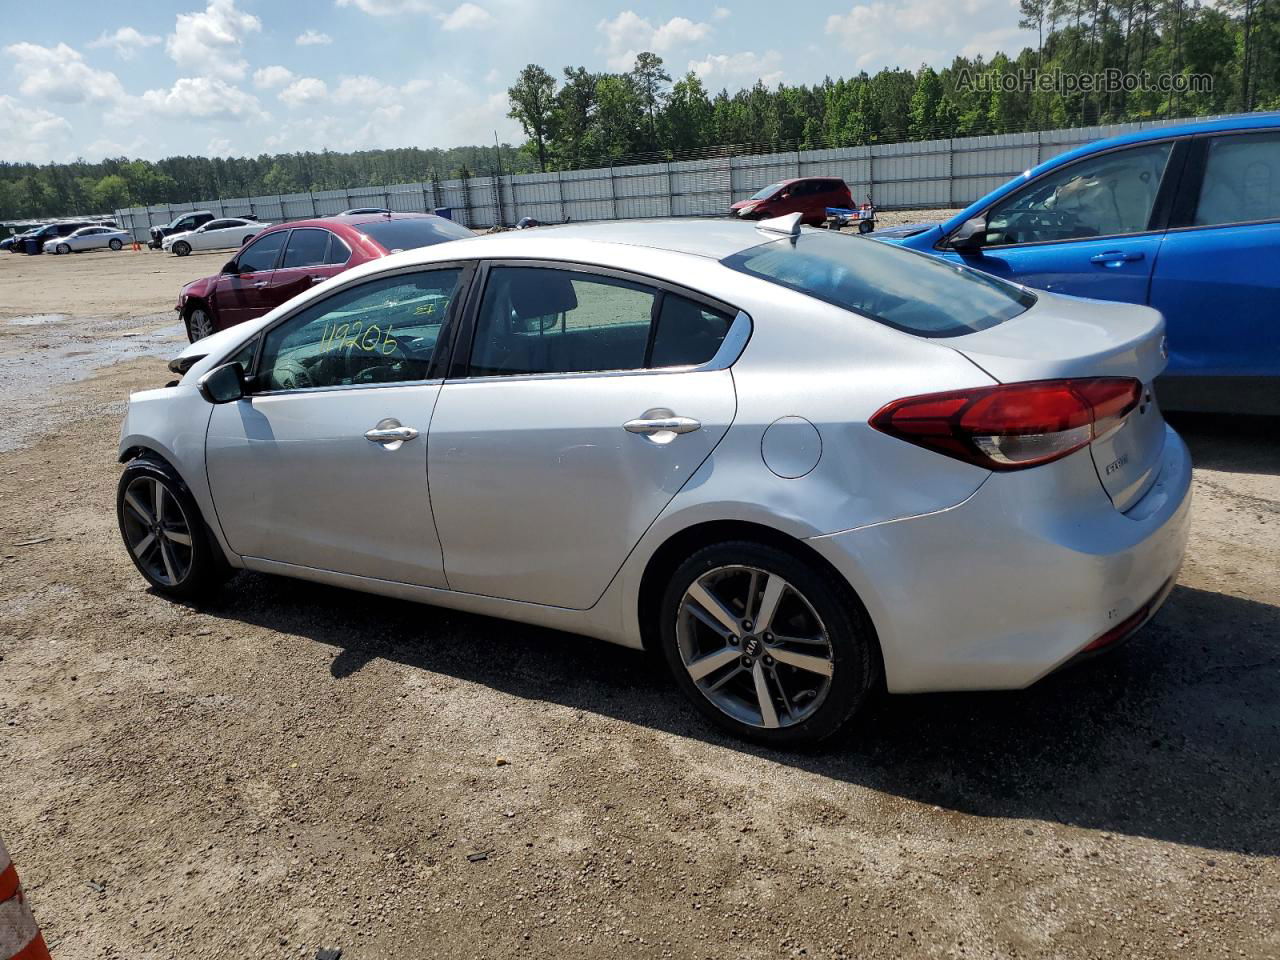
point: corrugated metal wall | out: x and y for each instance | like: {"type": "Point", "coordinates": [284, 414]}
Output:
{"type": "Point", "coordinates": [920, 175]}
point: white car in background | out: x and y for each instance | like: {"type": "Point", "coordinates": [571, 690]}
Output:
{"type": "Point", "coordinates": [88, 238]}
{"type": "Point", "coordinates": [230, 233]}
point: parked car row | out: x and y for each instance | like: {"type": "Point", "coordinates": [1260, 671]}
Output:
{"type": "Point", "coordinates": [58, 237]}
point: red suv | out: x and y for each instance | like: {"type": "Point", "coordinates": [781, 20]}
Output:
{"type": "Point", "coordinates": [282, 261]}
{"type": "Point", "coordinates": [807, 196]}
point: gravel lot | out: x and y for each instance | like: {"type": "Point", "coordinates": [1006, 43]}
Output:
{"type": "Point", "coordinates": [296, 766]}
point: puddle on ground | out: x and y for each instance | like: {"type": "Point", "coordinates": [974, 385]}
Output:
{"type": "Point", "coordinates": [38, 319]}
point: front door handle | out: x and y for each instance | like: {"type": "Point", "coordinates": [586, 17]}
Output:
{"type": "Point", "coordinates": [390, 434]}
{"type": "Point", "coordinates": [260, 284]}
{"type": "Point", "coordinates": [1117, 257]}
{"type": "Point", "coordinates": [663, 424]}
{"type": "Point", "coordinates": [319, 279]}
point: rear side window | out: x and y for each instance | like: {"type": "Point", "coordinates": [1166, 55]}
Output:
{"type": "Point", "coordinates": [900, 288]}
{"type": "Point", "coordinates": [1241, 180]}
{"type": "Point", "coordinates": [306, 247]}
{"type": "Point", "coordinates": [687, 333]}
{"type": "Point", "coordinates": [339, 252]}
{"type": "Point", "coordinates": [535, 320]}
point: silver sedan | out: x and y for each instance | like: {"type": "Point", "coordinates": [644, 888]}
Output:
{"type": "Point", "coordinates": [800, 465]}
{"type": "Point", "coordinates": [88, 238]}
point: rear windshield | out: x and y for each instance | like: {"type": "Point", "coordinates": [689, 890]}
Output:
{"type": "Point", "coordinates": [909, 291]}
{"type": "Point", "coordinates": [396, 235]}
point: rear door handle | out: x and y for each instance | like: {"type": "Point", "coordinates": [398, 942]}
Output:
{"type": "Point", "coordinates": [1117, 256]}
{"type": "Point", "coordinates": [652, 425]}
{"type": "Point", "coordinates": [260, 284]}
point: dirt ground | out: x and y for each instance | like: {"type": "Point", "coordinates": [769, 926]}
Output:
{"type": "Point", "coordinates": [296, 766]}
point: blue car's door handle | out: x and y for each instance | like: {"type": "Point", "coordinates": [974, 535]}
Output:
{"type": "Point", "coordinates": [1117, 256]}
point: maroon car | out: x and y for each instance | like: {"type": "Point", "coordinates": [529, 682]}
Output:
{"type": "Point", "coordinates": [282, 261]}
{"type": "Point", "coordinates": [807, 196]}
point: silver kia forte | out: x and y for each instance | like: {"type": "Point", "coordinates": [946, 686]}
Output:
{"type": "Point", "coordinates": [799, 464]}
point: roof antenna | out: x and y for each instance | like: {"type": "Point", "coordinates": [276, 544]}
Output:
{"type": "Point", "coordinates": [788, 225]}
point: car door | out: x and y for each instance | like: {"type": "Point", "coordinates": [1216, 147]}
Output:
{"type": "Point", "coordinates": [324, 463]}
{"type": "Point", "coordinates": [243, 292]}
{"type": "Point", "coordinates": [1217, 281]}
{"type": "Point", "coordinates": [588, 400]}
{"type": "Point", "coordinates": [1092, 228]}
{"type": "Point", "coordinates": [305, 263]}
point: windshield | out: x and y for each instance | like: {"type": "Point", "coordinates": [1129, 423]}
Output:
{"type": "Point", "coordinates": [409, 233]}
{"type": "Point", "coordinates": [767, 192]}
{"type": "Point", "coordinates": [910, 291]}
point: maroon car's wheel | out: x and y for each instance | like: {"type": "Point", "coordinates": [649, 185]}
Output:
{"type": "Point", "coordinates": [199, 324]}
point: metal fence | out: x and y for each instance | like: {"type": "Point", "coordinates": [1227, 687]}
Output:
{"type": "Point", "coordinates": [916, 175]}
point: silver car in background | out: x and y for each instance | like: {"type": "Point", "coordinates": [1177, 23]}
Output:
{"type": "Point", "coordinates": [798, 464]}
{"type": "Point", "coordinates": [97, 237]}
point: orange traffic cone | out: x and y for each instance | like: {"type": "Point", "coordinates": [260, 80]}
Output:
{"type": "Point", "coordinates": [20, 938]}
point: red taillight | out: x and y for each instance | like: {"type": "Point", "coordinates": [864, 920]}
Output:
{"type": "Point", "coordinates": [1012, 425]}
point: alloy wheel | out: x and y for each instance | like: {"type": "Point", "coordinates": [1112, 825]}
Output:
{"type": "Point", "coordinates": [157, 531]}
{"type": "Point", "coordinates": [199, 324]}
{"type": "Point", "coordinates": [754, 646]}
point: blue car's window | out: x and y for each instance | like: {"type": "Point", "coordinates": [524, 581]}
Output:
{"type": "Point", "coordinates": [1109, 195]}
{"type": "Point", "coordinates": [901, 288]}
{"type": "Point", "coordinates": [1241, 180]}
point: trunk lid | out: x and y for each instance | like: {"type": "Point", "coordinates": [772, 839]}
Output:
{"type": "Point", "coordinates": [1063, 337]}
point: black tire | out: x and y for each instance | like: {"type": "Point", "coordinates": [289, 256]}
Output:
{"type": "Point", "coordinates": [866, 226]}
{"type": "Point", "coordinates": [200, 568]}
{"type": "Point", "coordinates": [193, 324]}
{"type": "Point", "coordinates": [62, 248]}
{"type": "Point", "coordinates": [246, 240]}
{"type": "Point", "coordinates": [115, 244]}
{"type": "Point", "coordinates": [181, 248]}
{"type": "Point", "coordinates": [854, 661]}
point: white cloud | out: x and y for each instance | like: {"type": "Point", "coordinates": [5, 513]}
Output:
{"type": "Point", "coordinates": [363, 89]}
{"type": "Point", "coordinates": [30, 134]}
{"type": "Point", "coordinates": [126, 42]}
{"type": "Point", "coordinates": [60, 74]}
{"type": "Point", "coordinates": [303, 91]}
{"type": "Point", "coordinates": [273, 76]}
{"type": "Point", "coordinates": [389, 8]}
{"type": "Point", "coordinates": [205, 97]}
{"type": "Point", "coordinates": [313, 38]}
{"type": "Point", "coordinates": [208, 43]}
{"type": "Point", "coordinates": [106, 147]}
{"type": "Point", "coordinates": [739, 69]}
{"type": "Point", "coordinates": [629, 33]}
{"type": "Point", "coordinates": [465, 17]}
{"type": "Point", "coordinates": [720, 13]}
{"type": "Point", "coordinates": [218, 147]}
{"type": "Point", "coordinates": [906, 33]}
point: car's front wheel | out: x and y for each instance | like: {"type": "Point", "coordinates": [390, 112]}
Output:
{"type": "Point", "coordinates": [63, 248]}
{"type": "Point", "coordinates": [181, 248]}
{"type": "Point", "coordinates": [767, 645]}
{"type": "Point", "coordinates": [115, 244]}
{"type": "Point", "coordinates": [199, 324]}
{"type": "Point", "coordinates": [164, 532]}
{"type": "Point", "coordinates": [247, 238]}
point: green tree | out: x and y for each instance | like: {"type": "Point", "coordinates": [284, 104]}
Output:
{"type": "Point", "coordinates": [650, 79]}
{"type": "Point", "coordinates": [532, 101]}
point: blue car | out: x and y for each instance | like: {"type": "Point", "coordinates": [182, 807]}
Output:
{"type": "Point", "coordinates": [1185, 219]}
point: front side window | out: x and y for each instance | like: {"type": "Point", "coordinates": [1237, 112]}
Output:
{"type": "Point", "coordinates": [535, 320]}
{"type": "Point", "coordinates": [1241, 180]}
{"type": "Point", "coordinates": [914, 292]}
{"type": "Point", "coordinates": [382, 331]}
{"type": "Point", "coordinates": [1104, 196]}
{"type": "Point", "coordinates": [306, 248]}
{"type": "Point", "coordinates": [261, 254]}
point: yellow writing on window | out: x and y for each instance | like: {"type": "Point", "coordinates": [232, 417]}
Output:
{"type": "Point", "coordinates": [371, 339]}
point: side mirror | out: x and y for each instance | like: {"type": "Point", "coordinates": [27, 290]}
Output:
{"type": "Point", "coordinates": [971, 235]}
{"type": "Point", "coordinates": [223, 384]}
{"type": "Point", "coordinates": [232, 268]}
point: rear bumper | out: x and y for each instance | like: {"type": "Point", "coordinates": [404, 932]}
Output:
{"type": "Point", "coordinates": [1005, 587]}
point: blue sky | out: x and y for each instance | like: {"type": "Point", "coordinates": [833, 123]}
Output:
{"type": "Point", "coordinates": [233, 77]}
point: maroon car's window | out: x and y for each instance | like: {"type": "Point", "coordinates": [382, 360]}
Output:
{"type": "Point", "coordinates": [339, 252]}
{"type": "Point", "coordinates": [306, 247]}
{"type": "Point", "coordinates": [261, 254]}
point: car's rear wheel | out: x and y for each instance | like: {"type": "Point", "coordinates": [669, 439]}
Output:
{"type": "Point", "coordinates": [247, 238]}
{"type": "Point", "coordinates": [765, 644]}
{"type": "Point", "coordinates": [164, 532]}
{"type": "Point", "coordinates": [63, 248]}
{"type": "Point", "coordinates": [181, 248]}
{"type": "Point", "coordinates": [115, 244]}
{"type": "Point", "coordinates": [199, 324]}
